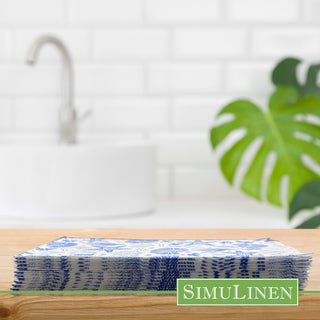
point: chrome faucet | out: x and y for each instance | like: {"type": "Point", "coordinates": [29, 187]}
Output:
{"type": "Point", "coordinates": [67, 115]}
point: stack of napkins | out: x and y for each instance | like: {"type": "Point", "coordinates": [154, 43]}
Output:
{"type": "Point", "coordinates": [113, 264]}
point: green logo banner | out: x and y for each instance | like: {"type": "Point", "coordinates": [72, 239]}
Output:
{"type": "Point", "coordinates": [217, 292]}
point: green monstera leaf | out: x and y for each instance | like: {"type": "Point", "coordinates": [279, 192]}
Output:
{"type": "Point", "coordinates": [307, 198]}
{"type": "Point", "coordinates": [285, 74]}
{"type": "Point", "coordinates": [286, 141]}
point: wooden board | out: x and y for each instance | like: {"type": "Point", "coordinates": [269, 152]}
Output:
{"type": "Point", "coordinates": [146, 306]}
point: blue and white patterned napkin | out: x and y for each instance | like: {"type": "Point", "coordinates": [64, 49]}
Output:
{"type": "Point", "coordinates": [116, 264]}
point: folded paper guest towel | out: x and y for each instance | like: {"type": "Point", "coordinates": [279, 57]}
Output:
{"type": "Point", "coordinates": [119, 264]}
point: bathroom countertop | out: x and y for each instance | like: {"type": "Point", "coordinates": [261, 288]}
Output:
{"type": "Point", "coordinates": [15, 306]}
{"type": "Point", "coordinates": [172, 215]}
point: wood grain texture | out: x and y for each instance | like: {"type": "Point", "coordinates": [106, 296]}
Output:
{"type": "Point", "coordinates": [47, 307]}
{"type": "Point", "coordinates": [142, 307]}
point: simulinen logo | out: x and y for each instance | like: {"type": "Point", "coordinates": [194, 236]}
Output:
{"type": "Point", "coordinates": [245, 292]}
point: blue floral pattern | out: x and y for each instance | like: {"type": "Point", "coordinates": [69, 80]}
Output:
{"type": "Point", "coordinates": [160, 248]}
{"type": "Point", "coordinates": [123, 264]}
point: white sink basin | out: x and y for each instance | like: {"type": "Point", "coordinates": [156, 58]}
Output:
{"type": "Point", "coordinates": [80, 181]}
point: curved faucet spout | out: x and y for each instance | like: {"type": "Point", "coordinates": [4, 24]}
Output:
{"type": "Point", "coordinates": [67, 112]}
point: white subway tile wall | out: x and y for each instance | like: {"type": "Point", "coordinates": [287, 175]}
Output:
{"type": "Point", "coordinates": [19, 13]}
{"type": "Point", "coordinates": [131, 114]}
{"type": "Point", "coordinates": [263, 11]}
{"type": "Point", "coordinates": [182, 11]}
{"type": "Point", "coordinates": [209, 43]}
{"type": "Point", "coordinates": [157, 69]}
{"type": "Point", "coordinates": [131, 43]}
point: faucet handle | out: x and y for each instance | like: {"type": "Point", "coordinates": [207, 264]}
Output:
{"type": "Point", "coordinates": [84, 116]}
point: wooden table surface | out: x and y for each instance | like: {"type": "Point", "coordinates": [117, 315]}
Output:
{"type": "Point", "coordinates": [47, 307]}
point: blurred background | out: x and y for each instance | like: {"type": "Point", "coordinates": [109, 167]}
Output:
{"type": "Point", "coordinates": [156, 69]}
